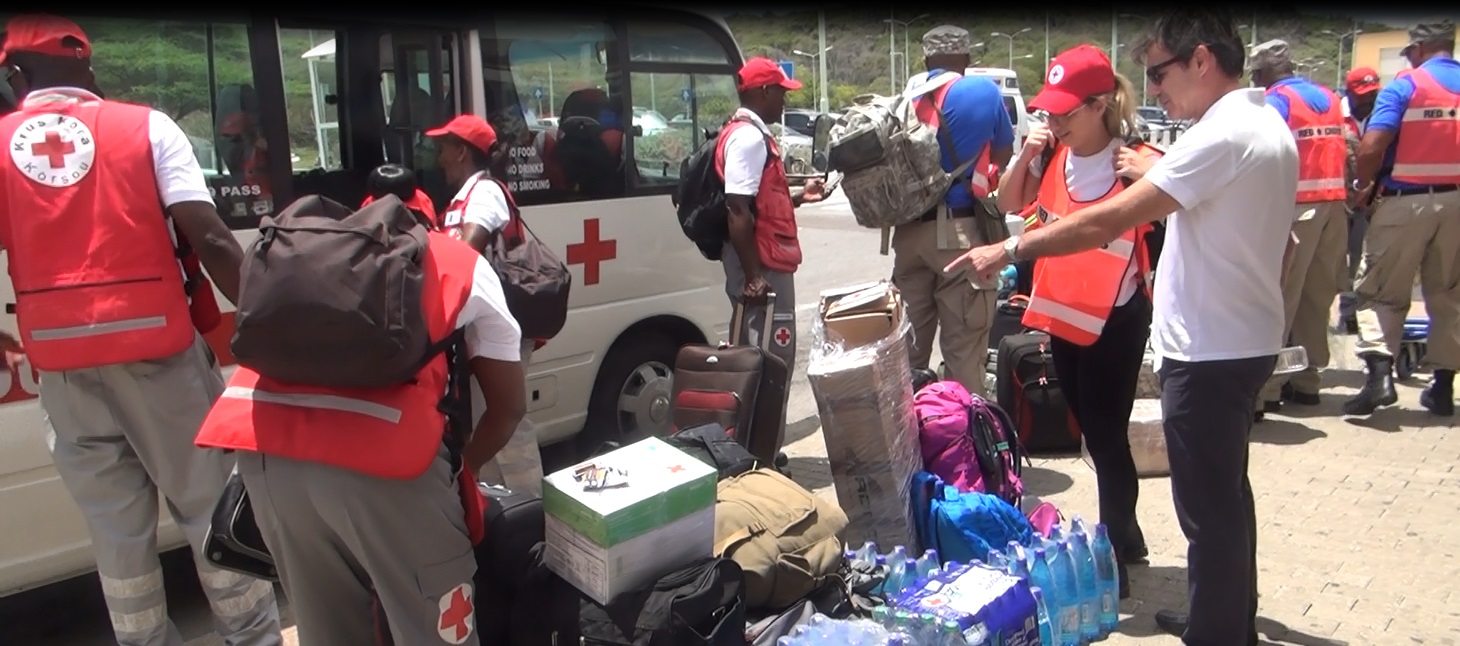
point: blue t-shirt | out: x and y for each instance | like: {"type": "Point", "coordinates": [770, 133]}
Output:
{"type": "Point", "coordinates": [1393, 100]}
{"type": "Point", "coordinates": [976, 116]}
{"type": "Point", "coordinates": [1311, 94]}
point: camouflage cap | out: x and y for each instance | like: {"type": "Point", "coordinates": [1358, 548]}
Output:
{"type": "Point", "coordinates": [945, 39]}
{"type": "Point", "coordinates": [1269, 55]}
{"type": "Point", "coordinates": [1430, 31]}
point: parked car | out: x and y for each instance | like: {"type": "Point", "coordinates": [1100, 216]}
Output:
{"type": "Point", "coordinates": [1154, 114]}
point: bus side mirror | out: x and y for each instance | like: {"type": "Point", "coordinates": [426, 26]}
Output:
{"type": "Point", "coordinates": [820, 141]}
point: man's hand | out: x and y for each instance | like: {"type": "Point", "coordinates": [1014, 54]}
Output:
{"type": "Point", "coordinates": [985, 261]}
{"type": "Point", "coordinates": [756, 288]}
{"type": "Point", "coordinates": [1131, 164]}
{"type": "Point", "coordinates": [814, 190]}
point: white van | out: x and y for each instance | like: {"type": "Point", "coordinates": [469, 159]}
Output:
{"type": "Point", "coordinates": [1008, 82]}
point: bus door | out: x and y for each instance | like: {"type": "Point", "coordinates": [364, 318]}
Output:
{"type": "Point", "coordinates": [419, 93]}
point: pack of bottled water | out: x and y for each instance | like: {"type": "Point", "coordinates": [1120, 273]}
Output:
{"type": "Point", "coordinates": [1075, 582]}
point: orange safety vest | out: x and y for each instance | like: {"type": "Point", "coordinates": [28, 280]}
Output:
{"type": "Point", "coordinates": [96, 276]}
{"type": "Point", "coordinates": [393, 432]}
{"type": "Point", "coordinates": [1428, 150]}
{"type": "Point", "coordinates": [776, 237]}
{"type": "Point", "coordinates": [1073, 295]}
{"type": "Point", "coordinates": [1322, 149]}
{"type": "Point", "coordinates": [985, 176]}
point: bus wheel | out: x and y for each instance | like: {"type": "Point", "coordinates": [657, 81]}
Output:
{"type": "Point", "coordinates": [631, 399]}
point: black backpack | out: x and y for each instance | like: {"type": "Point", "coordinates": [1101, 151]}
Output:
{"type": "Point", "coordinates": [699, 199]}
{"type": "Point", "coordinates": [534, 280]}
{"type": "Point", "coordinates": [589, 167]}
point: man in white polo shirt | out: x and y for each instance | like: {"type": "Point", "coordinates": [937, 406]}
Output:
{"type": "Point", "coordinates": [1228, 184]}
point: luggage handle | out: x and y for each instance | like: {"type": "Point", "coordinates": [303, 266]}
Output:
{"type": "Point", "coordinates": [737, 321]}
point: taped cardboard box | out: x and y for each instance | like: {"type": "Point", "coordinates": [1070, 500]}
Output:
{"type": "Point", "coordinates": [1147, 440]}
{"type": "Point", "coordinates": [861, 377]}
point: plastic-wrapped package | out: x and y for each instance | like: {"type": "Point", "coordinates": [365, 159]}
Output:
{"type": "Point", "coordinates": [861, 377]}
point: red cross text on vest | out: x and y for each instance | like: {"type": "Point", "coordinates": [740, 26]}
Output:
{"type": "Point", "coordinates": [54, 149]}
{"type": "Point", "coordinates": [453, 618]}
{"type": "Point", "coordinates": [591, 251]}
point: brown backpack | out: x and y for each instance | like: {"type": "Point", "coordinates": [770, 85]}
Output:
{"type": "Point", "coordinates": [534, 280]}
{"type": "Point", "coordinates": [331, 297]}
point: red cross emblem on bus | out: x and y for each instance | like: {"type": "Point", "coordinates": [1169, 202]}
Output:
{"type": "Point", "coordinates": [591, 251]}
{"type": "Point", "coordinates": [54, 149]}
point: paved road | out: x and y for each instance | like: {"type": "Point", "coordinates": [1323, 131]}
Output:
{"type": "Point", "coordinates": [1357, 518]}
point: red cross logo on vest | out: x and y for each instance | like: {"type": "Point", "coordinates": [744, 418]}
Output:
{"type": "Point", "coordinates": [458, 615]}
{"type": "Point", "coordinates": [53, 149]}
{"type": "Point", "coordinates": [783, 336]}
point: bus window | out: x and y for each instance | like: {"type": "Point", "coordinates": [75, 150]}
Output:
{"type": "Point", "coordinates": [416, 88]}
{"type": "Point", "coordinates": [670, 127]}
{"type": "Point", "coordinates": [548, 96]}
{"type": "Point", "coordinates": [311, 95]}
{"type": "Point", "coordinates": [200, 75]}
{"type": "Point", "coordinates": [652, 41]}
{"type": "Point", "coordinates": [1012, 108]}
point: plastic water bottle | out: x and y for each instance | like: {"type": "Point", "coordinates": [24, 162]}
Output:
{"type": "Point", "coordinates": [1108, 578]}
{"type": "Point", "coordinates": [1015, 551]}
{"type": "Point", "coordinates": [949, 634]}
{"type": "Point", "coordinates": [1052, 542]}
{"type": "Point", "coordinates": [1089, 587]}
{"type": "Point", "coordinates": [883, 616]}
{"type": "Point", "coordinates": [1041, 576]}
{"type": "Point", "coordinates": [1046, 634]}
{"type": "Point", "coordinates": [1018, 568]}
{"type": "Point", "coordinates": [996, 560]}
{"type": "Point", "coordinates": [1067, 595]}
{"type": "Point", "coordinates": [900, 639]}
{"type": "Point", "coordinates": [927, 563]}
{"type": "Point", "coordinates": [951, 566]}
{"type": "Point", "coordinates": [868, 553]}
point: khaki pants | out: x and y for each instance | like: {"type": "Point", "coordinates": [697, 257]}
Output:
{"type": "Point", "coordinates": [957, 306]}
{"type": "Point", "coordinates": [120, 434]}
{"type": "Point", "coordinates": [518, 466]}
{"type": "Point", "coordinates": [1308, 293]}
{"type": "Point", "coordinates": [1413, 233]}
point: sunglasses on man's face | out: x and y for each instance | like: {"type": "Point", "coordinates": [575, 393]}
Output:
{"type": "Point", "coordinates": [1157, 73]}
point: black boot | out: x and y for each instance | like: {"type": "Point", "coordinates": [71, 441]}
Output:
{"type": "Point", "coordinates": [1439, 396]}
{"type": "Point", "coordinates": [1378, 390]}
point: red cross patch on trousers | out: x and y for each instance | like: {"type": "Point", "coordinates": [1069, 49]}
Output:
{"type": "Point", "coordinates": [458, 615]}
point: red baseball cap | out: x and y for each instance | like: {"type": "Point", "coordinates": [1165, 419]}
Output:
{"type": "Point", "coordinates": [1362, 80]}
{"type": "Point", "coordinates": [761, 72]}
{"type": "Point", "coordinates": [43, 33]}
{"type": "Point", "coordinates": [1074, 75]}
{"type": "Point", "coordinates": [471, 128]}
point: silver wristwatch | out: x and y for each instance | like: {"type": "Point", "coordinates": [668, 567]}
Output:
{"type": "Point", "coordinates": [1011, 245]}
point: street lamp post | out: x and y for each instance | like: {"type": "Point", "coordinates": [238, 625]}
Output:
{"type": "Point", "coordinates": [892, 22]}
{"type": "Point", "coordinates": [1352, 33]}
{"type": "Point", "coordinates": [815, 60]}
{"type": "Point", "coordinates": [1010, 38]}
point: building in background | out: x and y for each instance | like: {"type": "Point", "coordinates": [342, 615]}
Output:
{"type": "Point", "coordinates": [1380, 50]}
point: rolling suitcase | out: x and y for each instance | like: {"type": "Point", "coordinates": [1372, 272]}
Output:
{"type": "Point", "coordinates": [739, 387]}
{"type": "Point", "coordinates": [1029, 390]}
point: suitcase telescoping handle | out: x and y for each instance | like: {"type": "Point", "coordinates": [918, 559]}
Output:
{"type": "Point", "coordinates": [737, 321]}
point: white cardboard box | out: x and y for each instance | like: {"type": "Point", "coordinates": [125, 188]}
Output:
{"type": "Point", "coordinates": [603, 573]}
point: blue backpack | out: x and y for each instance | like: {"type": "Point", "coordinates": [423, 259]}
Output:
{"type": "Point", "coordinates": [963, 526]}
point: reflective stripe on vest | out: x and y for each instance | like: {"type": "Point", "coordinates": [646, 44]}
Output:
{"type": "Point", "coordinates": [97, 279]}
{"type": "Point", "coordinates": [1428, 147]}
{"type": "Point", "coordinates": [1073, 295]}
{"type": "Point", "coordinates": [1322, 149]}
{"type": "Point", "coordinates": [393, 432]}
{"type": "Point", "coordinates": [776, 237]}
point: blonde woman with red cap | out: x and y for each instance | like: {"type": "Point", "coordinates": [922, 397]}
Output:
{"type": "Point", "coordinates": [1095, 305]}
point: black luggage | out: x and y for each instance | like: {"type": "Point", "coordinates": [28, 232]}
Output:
{"type": "Point", "coordinates": [1029, 390]}
{"type": "Point", "coordinates": [1008, 319]}
{"type": "Point", "coordinates": [713, 445]}
{"type": "Point", "coordinates": [740, 387]}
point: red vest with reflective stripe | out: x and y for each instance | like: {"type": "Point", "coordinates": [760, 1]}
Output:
{"type": "Point", "coordinates": [96, 276]}
{"type": "Point", "coordinates": [1322, 150]}
{"type": "Point", "coordinates": [1428, 150]}
{"type": "Point", "coordinates": [985, 175]}
{"type": "Point", "coordinates": [393, 432]}
{"type": "Point", "coordinates": [776, 237]}
{"type": "Point", "coordinates": [1073, 295]}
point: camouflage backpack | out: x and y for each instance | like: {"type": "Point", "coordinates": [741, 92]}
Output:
{"type": "Point", "coordinates": [891, 162]}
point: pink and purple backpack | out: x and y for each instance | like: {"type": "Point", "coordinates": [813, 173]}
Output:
{"type": "Point", "coordinates": [968, 441]}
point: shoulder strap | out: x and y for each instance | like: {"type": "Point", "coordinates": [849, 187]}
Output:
{"type": "Point", "coordinates": [769, 152]}
{"type": "Point", "coordinates": [455, 404]}
{"type": "Point", "coordinates": [944, 139]}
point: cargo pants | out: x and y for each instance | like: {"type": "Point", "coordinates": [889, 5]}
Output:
{"type": "Point", "coordinates": [783, 320]}
{"type": "Point", "coordinates": [1308, 293]}
{"type": "Point", "coordinates": [121, 434]}
{"type": "Point", "coordinates": [957, 307]}
{"type": "Point", "coordinates": [518, 466]}
{"type": "Point", "coordinates": [1409, 234]}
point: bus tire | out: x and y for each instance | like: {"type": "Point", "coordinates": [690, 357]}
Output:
{"type": "Point", "coordinates": [631, 397]}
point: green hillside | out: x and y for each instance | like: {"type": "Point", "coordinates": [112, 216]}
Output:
{"type": "Point", "coordinates": [858, 58]}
